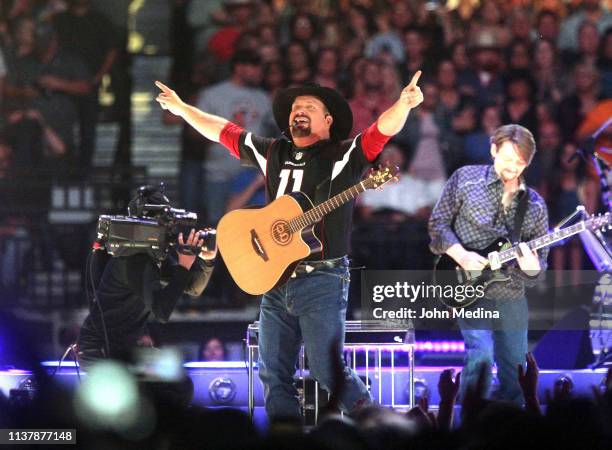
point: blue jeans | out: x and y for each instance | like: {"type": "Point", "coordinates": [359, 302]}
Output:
{"type": "Point", "coordinates": [310, 308]}
{"type": "Point", "coordinates": [502, 340]}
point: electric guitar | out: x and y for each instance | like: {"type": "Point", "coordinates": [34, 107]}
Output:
{"type": "Point", "coordinates": [262, 246]}
{"type": "Point", "coordinates": [448, 273]}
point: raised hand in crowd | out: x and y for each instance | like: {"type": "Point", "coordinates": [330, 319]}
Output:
{"type": "Point", "coordinates": [605, 389]}
{"type": "Point", "coordinates": [474, 400]}
{"type": "Point", "coordinates": [562, 391]}
{"type": "Point", "coordinates": [421, 415]}
{"type": "Point", "coordinates": [448, 390]}
{"type": "Point", "coordinates": [528, 380]}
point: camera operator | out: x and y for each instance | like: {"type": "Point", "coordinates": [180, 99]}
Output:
{"type": "Point", "coordinates": [128, 290]}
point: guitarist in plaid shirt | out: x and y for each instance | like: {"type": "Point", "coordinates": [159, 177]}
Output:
{"type": "Point", "coordinates": [479, 205]}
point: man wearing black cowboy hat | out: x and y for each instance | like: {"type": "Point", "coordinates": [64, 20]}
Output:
{"type": "Point", "coordinates": [315, 159]}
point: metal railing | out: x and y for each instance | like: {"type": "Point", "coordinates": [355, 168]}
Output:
{"type": "Point", "coordinates": [359, 335]}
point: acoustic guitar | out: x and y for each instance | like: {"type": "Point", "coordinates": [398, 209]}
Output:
{"type": "Point", "coordinates": [262, 246]}
{"type": "Point", "coordinates": [448, 273]}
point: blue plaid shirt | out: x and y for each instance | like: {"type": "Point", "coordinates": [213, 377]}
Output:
{"type": "Point", "coordinates": [470, 212]}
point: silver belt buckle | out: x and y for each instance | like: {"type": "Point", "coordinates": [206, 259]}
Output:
{"type": "Point", "coordinates": [307, 268]}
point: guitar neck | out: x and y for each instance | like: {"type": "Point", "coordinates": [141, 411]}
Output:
{"type": "Point", "coordinates": [544, 241]}
{"type": "Point", "coordinates": [315, 214]}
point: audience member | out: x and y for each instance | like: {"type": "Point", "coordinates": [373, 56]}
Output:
{"type": "Point", "coordinates": [88, 35]}
{"type": "Point", "coordinates": [43, 89]}
{"type": "Point", "coordinates": [240, 100]}
{"type": "Point", "coordinates": [371, 99]}
{"type": "Point", "coordinates": [591, 10]}
{"type": "Point", "coordinates": [477, 144]}
{"type": "Point", "coordinates": [483, 81]}
{"type": "Point", "coordinates": [520, 106]}
{"type": "Point", "coordinates": [604, 63]}
{"type": "Point", "coordinates": [213, 350]}
{"type": "Point", "coordinates": [577, 104]}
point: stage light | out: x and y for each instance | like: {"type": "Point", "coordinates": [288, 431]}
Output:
{"type": "Point", "coordinates": [222, 390]}
{"type": "Point", "coordinates": [494, 386]}
{"type": "Point", "coordinates": [108, 397]}
{"type": "Point", "coordinates": [440, 346]}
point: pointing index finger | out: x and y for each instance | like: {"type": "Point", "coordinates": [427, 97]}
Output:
{"type": "Point", "coordinates": [415, 79]}
{"type": "Point", "coordinates": [162, 86]}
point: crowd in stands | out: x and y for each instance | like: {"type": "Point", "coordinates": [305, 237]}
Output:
{"type": "Point", "coordinates": [55, 55]}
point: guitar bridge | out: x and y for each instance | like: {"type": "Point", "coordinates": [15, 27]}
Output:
{"type": "Point", "coordinates": [257, 246]}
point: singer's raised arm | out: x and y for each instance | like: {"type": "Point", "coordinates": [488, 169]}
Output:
{"type": "Point", "coordinates": [249, 148]}
{"type": "Point", "coordinates": [209, 125]}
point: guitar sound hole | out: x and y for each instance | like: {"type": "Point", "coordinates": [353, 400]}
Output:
{"type": "Point", "coordinates": [281, 232]}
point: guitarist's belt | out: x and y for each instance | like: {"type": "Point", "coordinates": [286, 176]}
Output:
{"type": "Point", "coordinates": [310, 266]}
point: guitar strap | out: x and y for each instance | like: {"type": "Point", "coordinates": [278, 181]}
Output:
{"type": "Point", "coordinates": [322, 194]}
{"type": "Point", "coordinates": [323, 189]}
{"type": "Point", "coordinates": [521, 209]}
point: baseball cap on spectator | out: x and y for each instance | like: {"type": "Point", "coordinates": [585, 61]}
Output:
{"type": "Point", "coordinates": [484, 40]}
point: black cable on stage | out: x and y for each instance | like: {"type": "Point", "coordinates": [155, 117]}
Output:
{"type": "Point", "coordinates": [94, 299]}
{"type": "Point", "coordinates": [89, 284]}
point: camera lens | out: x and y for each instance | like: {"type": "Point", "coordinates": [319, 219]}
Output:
{"type": "Point", "coordinates": [207, 233]}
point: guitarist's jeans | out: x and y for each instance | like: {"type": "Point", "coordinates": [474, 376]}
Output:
{"type": "Point", "coordinates": [309, 308]}
{"type": "Point", "coordinates": [502, 340]}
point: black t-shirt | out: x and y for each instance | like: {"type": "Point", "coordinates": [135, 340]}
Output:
{"type": "Point", "coordinates": [320, 171]}
{"type": "Point", "coordinates": [90, 36]}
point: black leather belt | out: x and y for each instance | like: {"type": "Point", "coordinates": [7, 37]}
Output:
{"type": "Point", "coordinates": [311, 266]}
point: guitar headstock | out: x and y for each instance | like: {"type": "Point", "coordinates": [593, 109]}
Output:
{"type": "Point", "coordinates": [600, 221]}
{"type": "Point", "coordinates": [382, 175]}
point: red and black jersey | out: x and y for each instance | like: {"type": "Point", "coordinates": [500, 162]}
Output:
{"type": "Point", "coordinates": [320, 171]}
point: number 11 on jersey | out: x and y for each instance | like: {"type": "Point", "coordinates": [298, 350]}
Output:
{"type": "Point", "coordinates": [285, 174]}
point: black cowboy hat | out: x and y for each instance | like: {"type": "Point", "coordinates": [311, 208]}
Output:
{"type": "Point", "coordinates": [338, 108]}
